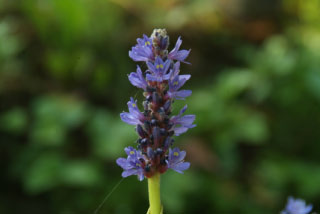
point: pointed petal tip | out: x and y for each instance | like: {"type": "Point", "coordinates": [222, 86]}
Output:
{"type": "Point", "coordinates": [121, 162]}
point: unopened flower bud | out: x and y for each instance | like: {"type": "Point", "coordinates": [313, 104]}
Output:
{"type": "Point", "coordinates": [140, 131]}
{"type": "Point", "coordinates": [160, 39]}
{"type": "Point", "coordinates": [157, 100]}
{"type": "Point", "coordinates": [156, 134]}
{"type": "Point", "coordinates": [150, 152]}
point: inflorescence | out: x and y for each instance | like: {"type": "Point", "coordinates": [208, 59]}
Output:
{"type": "Point", "coordinates": [161, 83]}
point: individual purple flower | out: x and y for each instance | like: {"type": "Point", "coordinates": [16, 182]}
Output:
{"type": "Point", "coordinates": [176, 160]}
{"type": "Point", "coordinates": [176, 81]}
{"type": "Point", "coordinates": [143, 50]}
{"type": "Point", "coordinates": [134, 117]}
{"type": "Point", "coordinates": [181, 124]}
{"type": "Point", "coordinates": [132, 165]}
{"type": "Point", "coordinates": [181, 55]}
{"type": "Point", "coordinates": [158, 70]}
{"type": "Point", "coordinates": [137, 79]}
{"type": "Point", "coordinates": [132, 153]}
{"type": "Point", "coordinates": [296, 206]}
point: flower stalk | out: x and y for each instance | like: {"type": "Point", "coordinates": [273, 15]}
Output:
{"type": "Point", "coordinates": [154, 194]}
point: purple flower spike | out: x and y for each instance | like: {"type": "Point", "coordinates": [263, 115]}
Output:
{"type": "Point", "coordinates": [161, 84]}
{"type": "Point", "coordinates": [297, 206]}
{"type": "Point", "coordinates": [176, 160]}
{"type": "Point", "coordinates": [182, 123]}
{"type": "Point", "coordinates": [134, 117]}
{"type": "Point", "coordinates": [158, 70]}
{"type": "Point", "coordinates": [132, 165]}
{"type": "Point", "coordinates": [137, 79]}
{"type": "Point", "coordinates": [143, 50]}
{"type": "Point", "coordinates": [175, 54]}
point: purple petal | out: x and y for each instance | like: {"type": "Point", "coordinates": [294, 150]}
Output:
{"type": "Point", "coordinates": [180, 95]}
{"type": "Point", "coordinates": [175, 54]}
{"type": "Point", "coordinates": [137, 79]}
{"type": "Point", "coordinates": [308, 208]}
{"type": "Point", "coordinates": [185, 76]}
{"type": "Point", "coordinates": [158, 60]}
{"type": "Point", "coordinates": [134, 110]}
{"type": "Point", "coordinates": [183, 94]}
{"type": "Point", "coordinates": [166, 66]}
{"type": "Point", "coordinates": [153, 78]}
{"type": "Point", "coordinates": [180, 167]}
{"type": "Point", "coordinates": [175, 118]}
{"type": "Point", "coordinates": [130, 150]}
{"type": "Point", "coordinates": [176, 47]}
{"type": "Point", "coordinates": [177, 82]}
{"type": "Point", "coordinates": [183, 110]}
{"type": "Point", "coordinates": [176, 156]}
{"type": "Point", "coordinates": [129, 118]}
{"type": "Point", "coordinates": [122, 162]}
{"type": "Point", "coordinates": [134, 79]}
{"type": "Point", "coordinates": [180, 130]}
{"type": "Point", "coordinates": [137, 57]}
{"type": "Point", "coordinates": [176, 69]}
{"type": "Point", "coordinates": [181, 156]}
{"type": "Point", "coordinates": [176, 160]}
{"type": "Point", "coordinates": [143, 50]}
{"type": "Point", "coordinates": [145, 41]}
{"type": "Point", "coordinates": [297, 206]}
{"type": "Point", "coordinates": [151, 67]}
{"type": "Point", "coordinates": [186, 120]}
{"type": "Point", "coordinates": [181, 55]}
{"type": "Point", "coordinates": [167, 76]}
{"type": "Point", "coordinates": [129, 172]}
{"type": "Point", "coordinates": [182, 123]}
{"type": "Point", "coordinates": [139, 53]}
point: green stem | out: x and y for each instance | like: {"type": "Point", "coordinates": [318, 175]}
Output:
{"type": "Point", "coordinates": [154, 194]}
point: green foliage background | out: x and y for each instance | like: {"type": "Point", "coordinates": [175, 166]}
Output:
{"type": "Point", "coordinates": [256, 95]}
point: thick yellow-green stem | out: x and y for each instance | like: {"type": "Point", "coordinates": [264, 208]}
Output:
{"type": "Point", "coordinates": [154, 194]}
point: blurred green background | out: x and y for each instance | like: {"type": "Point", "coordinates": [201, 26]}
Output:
{"type": "Point", "coordinates": [256, 94]}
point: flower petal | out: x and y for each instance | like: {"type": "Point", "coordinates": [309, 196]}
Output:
{"type": "Point", "coordinates": [129, 118]}
{"type": "Point", "coordinates": [180, 167]}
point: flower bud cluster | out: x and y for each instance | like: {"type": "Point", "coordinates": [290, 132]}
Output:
{"type": "Point", "coordinates": [161, 83]}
